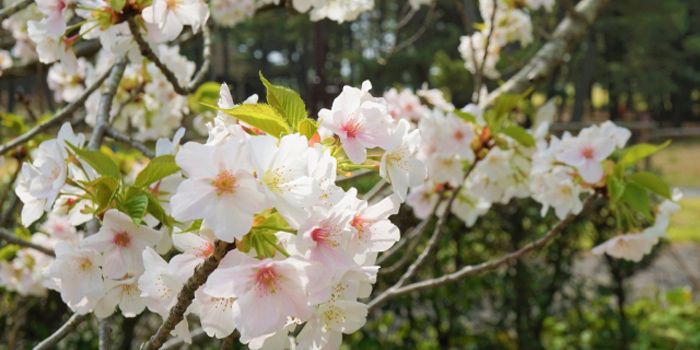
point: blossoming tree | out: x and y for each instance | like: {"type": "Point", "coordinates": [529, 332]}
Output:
{"type": "Point", "coordinates": [245, 232]}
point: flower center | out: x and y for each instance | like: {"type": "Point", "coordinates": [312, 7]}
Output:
{"type": "Point", "coordinates": [122, 239]}
{"type": "Point", "coordinates": [351, 128]}
{"type": "Point", "coordinates": [587, 153]}
{"type": "Point", "coordinates": [267, 279]}
{"type": "Point", "coordinates": [322, 236]}
{"type": "Point", "coordinates": [458, 135]}
{"type": "Point", "coordinates": [172, 4]}
{"type": "Point", "coordinates": [224, 182]}
{"type": "Point", "coordinates": [84, 264]}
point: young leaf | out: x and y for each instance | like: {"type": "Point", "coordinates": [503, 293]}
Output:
{"type": "Point", "coordinates": [519, 134]}
{"type": "Point", "coordinates": [136, 207]}
{"type": "Point", "coordinates": [615, 188]}
{"type": "Point", "coordinates": [117, 5]}
{"type": "Point", "coordinates": [652, 183]}
{"type": "Point", "coordinates": [261, 116]}
{"type": "Point", "coordinates": [207, 94]}
{"type": "Point", "coordinates": [638, 199]}
{"type": "Point", "coordinates": [157, 169]}
{"type": "Point", "coordinates": [99, 161]}
{"type": "Point", "coordinates": [156, 209]}
{"type": "Point", "coordinates": [308, 127]}
{"type": "Point", "coordinates": [634, 154]}
{"type": "Point", "coordinates": [194, 227]}
{"type": "Point", "coordinates": [465, 116]}
{"type": "Point", "coordinates": [105, 190]}
{"type": "Point", "coordinates": [287, 102]}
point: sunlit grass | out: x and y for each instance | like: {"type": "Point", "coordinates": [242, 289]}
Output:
{"type": "Point", "coordinates": [685, 225]}
{"type": "Point", "coordinates": [679, 164]}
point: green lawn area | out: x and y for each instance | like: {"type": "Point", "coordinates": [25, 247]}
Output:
{"type": "Point", "coordinates": [679, 164]}
{"type": "Point", "coordinates": [685, 225]}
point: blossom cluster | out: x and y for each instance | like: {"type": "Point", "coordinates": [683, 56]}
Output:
{"type": "Point", "coordinates": [461, 151]}
{"type": "Point", "coordinates": [504, 22]}
{"type": "Point", "coordinates": [303, 250]}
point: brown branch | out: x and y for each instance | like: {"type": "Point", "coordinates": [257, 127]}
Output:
{"type": "Point", "coordinates": [66, 328]}
{"type": "Point", "coordinates": [480, 70]}
{"type": "Point", "coordinates": [471, 270]}
{"type": "Point", "coordinates": [14, 8]}
{"type": "Point", "coordinates": [81, 49]}
{"type": "Point", "coordinates": [408, 42]}
{"type": "Point", "coordinates": [551, 55]}
{"type": "Point", "coordinates": [198, 335]}
{"type": "Point", "coordinates": [417, 232]}
{"type": "Point", "coordinates": [64, 113]}
{"type": "Point", "coordinates": [186, 295]}
{"type": "Point", "coordinates": [117, 136]}
{"type": "Point", "coordinates": [105, 107]}
{"type": "Point", "coordinates": [571, 11]}
{"type": "Point", "coordinates": [12, 239]}
{"type": "Point", "coordinates": [147, 52]}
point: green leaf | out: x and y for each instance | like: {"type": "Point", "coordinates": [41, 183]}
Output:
{"type": "Point", "coordinates": [637, 198]}
{"type": "Point", "coordinates": [465, 116]}
{"type": "Point", "coordinates": [261, 116]}
{"type": "Point", "coordinates": [504, 105]}
{"type": "Point", "coordinates": [99, 161]}
{"type": "Point", "coordinates": [615, 188]}
{"type": "Point", "coordinates": [520, 134]}
{"type": "Point", "coordinates": [157, 169]}
{"type": "Point", "coordinates": [308, 127]}
{"type": "Point", "coordinates": [206, 94]}
{"type": "Point", "coordinates": [651, 182]}
{"type": "Point", "coordinates": [117, 5]}
{"type": "Point", "coordinates": [136, 207]}
{"type": "Point", "coordinates": [634, 154]}
{"type": "Point", "coordinates": [194, 227]}
{"type": "Point", "coordinates": [105, 190]}
{"type": "Point", "coordinates": [287, 102]}
{"type": "Point", "coordinates": [156, 209]}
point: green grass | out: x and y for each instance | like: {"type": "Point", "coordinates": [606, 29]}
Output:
{"type": "Point", "coordinates": [678, 163]}
{"type": "Point", "coordinates": [685, 225]}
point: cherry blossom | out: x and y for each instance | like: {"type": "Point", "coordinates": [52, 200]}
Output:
{"type": "Point", "coordinates": [122, 242]}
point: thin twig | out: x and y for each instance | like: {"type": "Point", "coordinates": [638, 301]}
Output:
{"type": "Point", "coordinates": [374, 191]}
{"type": "Point", "coordinates": [57, 118]}
{"type": "Point", "coordinates": [12, 239]}
{"type": "Point", "coordinates": [105, 107]}
{"type": "Point", "coordinates": [104, 330]}
{"type": "Point", "coordinates": [227, 343]}
{"type": "Point", "coordinates": [408, 42]}
{"type": "Point", "coordinates": [14, 8]}
{"type": "Point", "coordinates": [551, 55]}
{"type": "Point", "coordinates": [355, 176]}
{"type": "Point", "coordinates": [67, 328]}
{"type": "Point", "coordinates": [480, 71]}
{"type": "Point", "coordinates": [471, 270]}
{"type": "Point", "coordinates": [116, 135]}
{"type": "Point", "coordinates": [198, 335]}
{"type": "Point", "coordinates": [417, 232]}
{"type": "Point", "coordinates": [186, 295]}
{"type": "Point", "coordinates": [147, 52]}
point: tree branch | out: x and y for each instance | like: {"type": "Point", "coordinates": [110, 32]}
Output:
{"type": "Point", "coordinates": [417, 232]}
{"type": "Point", "coordinates": [12, 239]}
{"type": "Point", "coordinates": [471, 270]}
{"type": "Point", "coordinates": [117, 136]}
{"type": "Point", "coordinates": [67, 328]}
{"type": "Point", "coordinates": [186, 295]}
{"type": "Point", "coordinates": [147, 52]}
{"type": "Point", "coordinates": [57, 118]}
{"type": "Point", "coordinates": [14, 8]}
{"type": "Point", "coordinates": [175, 343]}
{"type": "Point", "coordinates": [551, 55]}
{"type": "Point", "coordinates": [115, 76]}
